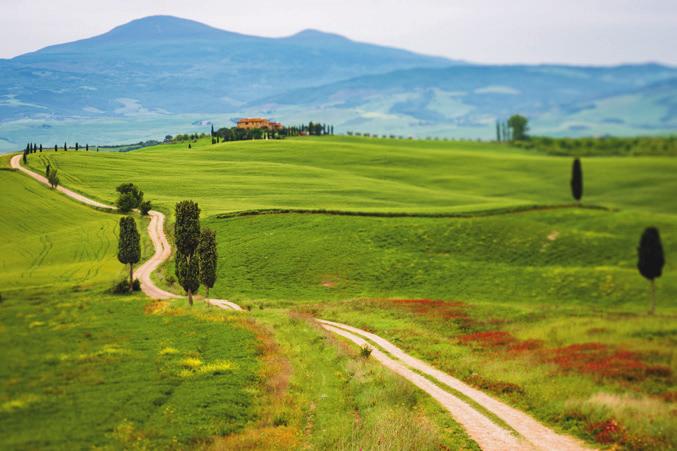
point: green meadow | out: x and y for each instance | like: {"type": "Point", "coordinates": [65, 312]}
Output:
{"type": "Point", "coordinates": [541, 307]}
{"type": "Point", "coordinates": [83, 368]}
{"type": "Point", "coordinates": [361, 174]}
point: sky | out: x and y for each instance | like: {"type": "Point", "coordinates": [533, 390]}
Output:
{"type": "Point", "coordinates": [598, 32]}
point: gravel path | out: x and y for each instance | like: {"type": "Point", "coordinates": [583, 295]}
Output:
{"type": "Point", "coordinates": [532, 434]}
{"type": "Point", "coordinates": [156, 231]}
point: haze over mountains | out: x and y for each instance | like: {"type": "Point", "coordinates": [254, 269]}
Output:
{"type": "Point", "coordinates": [163, 74]}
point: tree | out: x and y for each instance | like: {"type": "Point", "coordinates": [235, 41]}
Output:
{"type": "Point", "coordinates": [49, 166]}
{"type": "Point", "coordinates": [25, 157]}
{"type": "Point", "coordinates": [650, 260]}
{"type": "Point", "coordinates": [87, 147]}
{"type": "Point", "coordinates": [53, 178]}
{"type": "Point", "coordinates": [577, 181]}
{"type": "Point", "coordinates": [130, 197]}
{"type": "Point", "coordinates": [40, 148]}
{"type": "Point", "coordinates": [145, 207]}
{"type": "Point", "coordinates": [77, 146]}
{"type": "Point", "coordinates": [207, 259]}
{"type": "Point", "coordinates": [65, 146]}
{"type": "Point", "coordinates": [56, 148]}
{"type": "Point", "coordinates": [129, 246]}
{"type": "Point", "coordinates": [187, 237]}
{"type": "Point", "coordinates": [519, 125]}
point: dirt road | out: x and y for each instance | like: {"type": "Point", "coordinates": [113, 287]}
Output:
{"type": "Point", "coordinates": [523, 432]}
{"type": "Point", "coordinates": [156, 231]}
{"type": "Point", "coordinates": [528, 432]}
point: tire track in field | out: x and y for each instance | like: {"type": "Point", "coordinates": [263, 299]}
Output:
{"type": "Point", "coordinates": [155, 230]}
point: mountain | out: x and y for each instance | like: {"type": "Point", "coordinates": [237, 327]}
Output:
{"type": "Point", "coordinates": [440, 100]}
{"type": "Point", "coordinates": [167, 64]}
{"type": "Point", "coordinates": [162, 74]}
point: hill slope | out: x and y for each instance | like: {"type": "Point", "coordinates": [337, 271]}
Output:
{"type": "Point", "coordinates": [164, 63]}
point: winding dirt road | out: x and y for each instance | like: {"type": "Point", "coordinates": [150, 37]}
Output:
{"type": "Point", "coordinates": [530, 434]}
{"type": "Point", "coordinates": [523, 432]}
{"type": "Point", "coordinates": [157, 235]}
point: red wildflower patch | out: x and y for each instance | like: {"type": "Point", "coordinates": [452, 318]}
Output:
{"type": "Point", "coordinates": [494, 386]}
{"type": "Point", "coordinates": [608, 431]}
{"type": "Point", "coordinates": [433, 308]}
{"type": "Point", "coordinates": [602, 360]}
{"type": "Point", "coordinates": [525, 346]}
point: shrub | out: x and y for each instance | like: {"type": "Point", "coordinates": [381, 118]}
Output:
{"type": "Point", "coordinates": [130, 197]}
{"type": "Point", "coordinates": [365, 351]}
{"type": "Point", "coordinates": [126, 202]}
{"type": "Point", "coordinates": [122, 287]}
{"type": "Point", "coordinates": [145, 207]}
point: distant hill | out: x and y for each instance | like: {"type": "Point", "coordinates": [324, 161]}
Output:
{"type": "Point", "coordinates": [163, 74]}
{"type": "Point", "coordinates": [167, 64]}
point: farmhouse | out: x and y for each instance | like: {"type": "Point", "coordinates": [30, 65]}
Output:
{"type": "Point", "coordinates": [249, 123]}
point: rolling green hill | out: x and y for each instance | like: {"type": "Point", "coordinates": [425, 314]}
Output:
{"type": "Point", "coordinates": [82, 368]}
{"type": "Point", "coordinates": [362, 174]}
{"type": "Point", "coordinates": [542, 308]}
{"type": "Point", "coordinates": [52, 243]}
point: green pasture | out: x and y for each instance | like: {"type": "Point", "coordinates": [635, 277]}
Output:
{"type": "Point", "coordinates": [361, 174]}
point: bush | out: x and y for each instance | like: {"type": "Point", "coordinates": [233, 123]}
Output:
{"type": "Point", "coordinates": [145, 207]}
{"type": "Point", "coordinates": [130, 197]}
{"type": "Point", "coordinates": [365, 351]}
{"type": "Point", "coordinates": [122, 287]}
{"type": "Point", "coordinates": [126, 202]}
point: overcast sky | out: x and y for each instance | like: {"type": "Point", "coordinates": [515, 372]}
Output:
{"type": "Point", "coordinates": [488, 31]}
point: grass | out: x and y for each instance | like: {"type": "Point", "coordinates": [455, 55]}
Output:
{"type": "Point", "coordinates": [82, 368]}
{"type": "Point", "coordinates": [542, 308]}
{"type": "Point", "coordinates": [361, 174]}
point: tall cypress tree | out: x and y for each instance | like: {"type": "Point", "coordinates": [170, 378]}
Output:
{"type": "Point", "coordinates": [207, 258]}
{"type": "Point", "coordinates": [650, 260]}
{"type": "Point", "coordinates": [187, 237]}
{"type": "Point", "coordinates": [577, 181]}
{"type": "Point", "coordinates": [129, 246]}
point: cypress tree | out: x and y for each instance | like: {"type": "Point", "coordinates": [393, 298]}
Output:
{"type": "Point", "coordinates": [56, 148]}
{"type": "Point", "coordinates": [65, 146]}
{"type": "Point", "coordinates": [650, 260]}
{"type": "Point", "coordinates": [187, 237]}
{"type": "Point", "coordinates": [40, 148]}
{"type": "Point", "coordinates": [577, 181]}
{"type": "Point", "coordinates": [53, 178]}
{"type": "Point", "coordinates": [207, 258]}
{"type": "Point", "coordinates": [77, 146]}
{"type": "Point", "coordinates": [25, 157]}
{"type": "Point", "coordinates": [49, 166]}
{"type": "Point", "coordinates": [129, 246]}
{"type": "Point", "coordinates": [87, 147]}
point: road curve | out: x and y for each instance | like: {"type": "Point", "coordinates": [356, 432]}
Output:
{"type": "Point", "coordinates": [532, 433]}
{"type": "Point", "coordinates": [156, 231]}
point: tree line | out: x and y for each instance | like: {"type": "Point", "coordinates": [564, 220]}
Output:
{"type": "Point", "coordinates": [196, 258]}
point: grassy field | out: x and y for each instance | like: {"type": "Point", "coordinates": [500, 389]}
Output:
{"type": "Point", "coordinates": [82, 368]}
{"type": "Point", "coordinates": [542, 308]}
{"type": "Point", "coordinates": [361, 174]}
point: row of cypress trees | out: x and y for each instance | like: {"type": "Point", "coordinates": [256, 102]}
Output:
{"type": "Point", "coordinates": [650, 256]}
{"type": "Point", "coordinates": [196, 254]}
